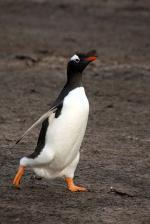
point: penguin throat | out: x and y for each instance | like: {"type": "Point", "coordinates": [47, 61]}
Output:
{"type": "Point", "coordinates": [74, 79]}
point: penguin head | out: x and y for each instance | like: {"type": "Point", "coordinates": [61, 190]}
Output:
{"type": "Point", "coordinates": [79, 61]}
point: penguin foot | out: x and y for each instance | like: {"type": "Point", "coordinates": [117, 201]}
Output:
{"type": "Point", "coordinates": [72, 187]}
{"type": "Point", "coordinates": [18, 176]}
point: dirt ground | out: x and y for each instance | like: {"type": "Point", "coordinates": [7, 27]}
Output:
{"type": "Point", "coordinates": [36, 39]}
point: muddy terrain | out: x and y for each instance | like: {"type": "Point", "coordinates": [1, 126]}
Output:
{"type": "Point", "coordinates": [36, 39]}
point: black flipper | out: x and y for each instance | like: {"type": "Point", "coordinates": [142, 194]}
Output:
{"type": "Point", "coordinates": [41, 140]}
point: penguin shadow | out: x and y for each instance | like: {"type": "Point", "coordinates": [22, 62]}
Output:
{"type": "Point", "coordinates": [57, 185]}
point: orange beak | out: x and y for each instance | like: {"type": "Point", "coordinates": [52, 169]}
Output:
{"type": "Point", "coordinates": [92, 58]}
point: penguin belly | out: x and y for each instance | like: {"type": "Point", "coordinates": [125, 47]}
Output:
{"type": "Point", "coordinates": [65, 134]}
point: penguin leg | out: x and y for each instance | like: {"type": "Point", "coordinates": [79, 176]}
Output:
{"type": "Point", "coordinates": [18, 176]}
{"type": "Point", "coordinates": [69, 174]}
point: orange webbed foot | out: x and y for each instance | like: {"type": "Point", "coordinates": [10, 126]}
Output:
{"type": "Point", "coordinates": [17, 179]}
{"type": "Point", "coordinates": [72, 187]}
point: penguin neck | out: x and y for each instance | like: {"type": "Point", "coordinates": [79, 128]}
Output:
{"type": "Point", "coordinates": [74, 79]}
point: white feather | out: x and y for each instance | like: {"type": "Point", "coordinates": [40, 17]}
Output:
{"type": "Point", "coordinates": [74, 57]}
{"type": "Point", "coordinates": [42, 118]}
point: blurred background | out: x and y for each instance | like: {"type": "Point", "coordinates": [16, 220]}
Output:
{"type": "Point", "coordinates": [37, 37]}
{"type": "Point", "coordinates": [118, 30]}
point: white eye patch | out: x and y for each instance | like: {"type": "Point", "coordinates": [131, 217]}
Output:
{"type": "Point", "coordinates": [75, 58]}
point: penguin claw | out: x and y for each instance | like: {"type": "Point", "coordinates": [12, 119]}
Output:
{"type": "Point", "coordinates": [77, 189]}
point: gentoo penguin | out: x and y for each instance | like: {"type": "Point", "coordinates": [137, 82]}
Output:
{"type": "Point", "coordinates": [63, 128]}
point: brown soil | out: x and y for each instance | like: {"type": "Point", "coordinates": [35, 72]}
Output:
{"type": "Point", "coordinates": [36, 39]}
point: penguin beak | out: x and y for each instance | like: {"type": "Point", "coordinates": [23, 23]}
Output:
{"type": "Point", "coordinates": [91, 58]}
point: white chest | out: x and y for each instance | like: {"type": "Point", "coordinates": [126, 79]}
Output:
{"type": "Point", "coordinates": [65, 133]}
{"type": "Point", "coordinates": [76, 102]}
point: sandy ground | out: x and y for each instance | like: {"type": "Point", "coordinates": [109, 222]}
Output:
{"type": "Point", "coordinates": [36, 39]}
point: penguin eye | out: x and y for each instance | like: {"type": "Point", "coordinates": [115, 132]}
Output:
{"type": "Point", "coordinates": [77, 60]}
